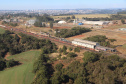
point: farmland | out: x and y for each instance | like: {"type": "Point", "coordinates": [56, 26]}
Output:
{"type": "Point", "coordinates": [21, 74]}
{"type": "Point", "coordinates": [85, 15]}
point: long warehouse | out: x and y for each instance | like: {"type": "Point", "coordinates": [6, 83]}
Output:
{"type": "Point", "coordinates": [85, 43]}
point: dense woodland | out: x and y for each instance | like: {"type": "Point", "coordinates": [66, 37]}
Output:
{"type": "Point", "coordinates": [95, 69]}
{"type": "Point", "coordinates": [14, 44]}
{"type": "Point", "coordinates": [103, 40]}
{"type": "Point", "coordinates": [64, 33]}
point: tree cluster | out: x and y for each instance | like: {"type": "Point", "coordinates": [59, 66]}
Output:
{"type": "Point", "coordinates": [97, 19]}
{"type": "Point", "coordinates": [64, 33]}
{"type": "Point", "coordinates": [96, 69]}
{"type": "Point", "coordinates": [42, 69]}
{"type": "Point", "coordinates": [7, 63]}
{"type": "Point", "coordinates": [103, 40]}
{"type": "Point", "coordinates": [10, 24]}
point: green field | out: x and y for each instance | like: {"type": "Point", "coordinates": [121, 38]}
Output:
{"type": "Point", "coordinates": [2, 31]}
{"type": "Point", "coordinates": [21, 74]}
{"type": "Point", "coordinates": [84, 15]}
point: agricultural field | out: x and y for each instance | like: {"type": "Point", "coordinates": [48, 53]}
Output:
{"type": "Point", "coordinates": [116, 26]}
{"type": "Point", "coordinates": [21, 74]}
{"type": "Point", "coordinates": [84, 15]}
{"type": "Point", "coordinates": [123, 14]}
{"type": "Point", "coordinates": [2, 31]}
{"type": "Point", "coordinates": [121, 38]}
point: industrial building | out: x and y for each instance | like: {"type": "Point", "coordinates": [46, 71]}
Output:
{"type": "Point", "coordinates": [85, 43]}
{"type": "Point", "coordinates": [62, 22]}
{"type": "Point", "coordinates": [102, 48]}
{"type": "Point", "coordinates": [91, 45]}
{"type": "Point", "coordinates": [96, 22]}
{"type": "Point", "coordinates": [92, 22]}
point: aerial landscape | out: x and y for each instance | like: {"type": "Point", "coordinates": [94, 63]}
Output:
{"type": "Point", "coordinates": [63, 42]}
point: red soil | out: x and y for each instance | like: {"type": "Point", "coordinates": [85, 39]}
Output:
{"type": "Point", "coordinates": [122, 36]}
{"type": "Point", "coordinates": [67, 62]}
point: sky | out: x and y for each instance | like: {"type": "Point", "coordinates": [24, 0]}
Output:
{"type": "Point", "coordinates": [60, 4]}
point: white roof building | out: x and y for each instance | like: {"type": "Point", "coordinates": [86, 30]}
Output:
{"type": "Point", "coordinates": [85, 43]}
{"type": "Point", "coordinates": [62, 22]}
{"type": "Point", "coordinates": [96, 22]}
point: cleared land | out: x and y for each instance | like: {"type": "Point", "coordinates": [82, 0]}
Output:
{"type": "Point", "coordinates": [116, 26]}
{"type": "Point", "coordinates": [84, 15]}
{"type": "Point", "coordinates": [21, 74]}
{"type": "Point", "coordinates": [2, 31]}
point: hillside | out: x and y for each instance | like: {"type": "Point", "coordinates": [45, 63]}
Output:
{"type": "Point", "coordinates": [21, 74]}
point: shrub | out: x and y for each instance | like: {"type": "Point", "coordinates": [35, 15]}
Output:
{"type": "Point", "coordinates": [71, 55]}
{"type": "Point", "coordinates": [59, 66]}
{"type": "Point", "coordinates": [77, 49]}
{"type": "Point", "coordinates": [70, 49]}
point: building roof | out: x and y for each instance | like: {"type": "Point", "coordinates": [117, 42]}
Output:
{"type": "Point", "coordinates": [86, 41]}
{"type": "Point", "coordinates": [96, 22]}
{"type": "Point", "coordinates": [62, 22]}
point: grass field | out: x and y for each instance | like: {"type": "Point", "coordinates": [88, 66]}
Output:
{"type": "Point", "coordinates": [21, 74]}
{"type": "Point", "coordinates": [2, 31]}
{"type": "Point", "coordinates": [84, 15]}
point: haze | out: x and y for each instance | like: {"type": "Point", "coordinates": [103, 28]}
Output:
{"type": "Point", "coordinates": [60, 4]}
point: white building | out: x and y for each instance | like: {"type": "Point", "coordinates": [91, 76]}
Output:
{"type": "Point", "coordinates": [85, 43]}
{"type": "Point", "coordinates": [62, 22]}
{"type": "Point", "coordinates": [96, 22]}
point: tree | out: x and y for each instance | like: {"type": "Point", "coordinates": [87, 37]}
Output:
{"type": "Point", "coordinates": [59, 66]}
{"type": "Point", "coordinates": [2, 65]}
{"type": "Point", "coordinates": [60, 50]}
{"type": "Point", "coordinates": [51, 25]}
{"type": "Point", "coordinates": [80, 80]}
{"type": "Point", "coordinates": [64, 48]}
{"type": "Point", "coordinates": [70, 49]}
{"type": "Point", "coordinates": [123, 21]}
{"type": "Point", "coordinates": [71, 55]}
{"type": "Point", "coordinates": [67, 18]}
{"type": "Point", "coordinates": [77, 49]}
{"type": "Point", "coordinates": [72, 17]}
{"type": "Point", "coordinates": [10, 63]}
{"type": "Point", "coordinates": [90, 57]}
{"type": "Point", "coordinates": [17, 38]}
